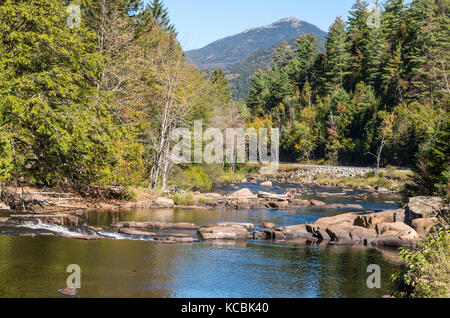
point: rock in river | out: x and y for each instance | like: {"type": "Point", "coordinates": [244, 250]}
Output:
{"type": "Point", "coordinates": [247, 226]}
{"type": "Point", "coordinates": [243, 193]}
{"type": "Point", "coordinates": [68, 291]}
{"type": "Point", "coordinates": [223, 233]}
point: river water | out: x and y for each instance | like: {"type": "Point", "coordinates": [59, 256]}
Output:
{"type": "Point", "coordinates": [123, 266]}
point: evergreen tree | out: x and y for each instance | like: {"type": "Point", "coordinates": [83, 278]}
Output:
{"type": "Point", "coordinates": [338, 55]}
{"type": "Point", "coordinates": [161, 15]}
{"type": "Point", "coordinates": [58, 130]}
{"type": "Point", "coordinates": [357, 36]}
{"type": "Point", "coordinates": [428, 49]}
{"type": "Point", "coordinates": [306, 51]}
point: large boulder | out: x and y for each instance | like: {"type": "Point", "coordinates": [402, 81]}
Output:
{"type": "Point", "coordinates": [370, 220]}
{"type": "Point", "coordinates": [266, 184]}
{"type": "Point", "coordinates": [397, 227]}
{"type": "Point", "coordinates": [423, 226]}
{"type": "Point", "coordinates": [424, 207]}
{"type": "Point", "coordinates": [223, 233]}
{"type": "Point", "coordinates": [278, 204]}
{"type": "Point", "coordinates": [291, 233]}
{"type": "Point", "coordinates": [164, 202]}
{"type": "Point", "coordinates": [243, 193]}
{"type": "Point", "coordinates": [351, 235]}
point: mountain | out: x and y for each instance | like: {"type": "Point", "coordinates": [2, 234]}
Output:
{"type": "Point", "coordinates": [228, 51]}
{"type": "Point", "coordinates": [241, 73]}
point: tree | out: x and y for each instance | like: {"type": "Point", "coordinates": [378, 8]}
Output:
{"type": "Point", "coordinates": [357, 36]}
{"type": "Point", "coordinates": [428, 50]}
{"type": "Point", "coordinates": [306, 51]}
{"type": "Point", "coordinates": [338, 55]}
{"type": "Point", "coordinates": [161, 15]}
{"type": "Point", "coordinates": [386, 133]}
{"type": "Point", "coordinates": [59, 131]}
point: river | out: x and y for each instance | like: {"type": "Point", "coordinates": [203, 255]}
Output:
{"type": "Point", "coordinates": [124, 266]}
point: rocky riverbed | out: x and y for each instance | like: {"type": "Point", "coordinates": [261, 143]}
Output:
{"type": "Point", "coordinates": [395, 227]}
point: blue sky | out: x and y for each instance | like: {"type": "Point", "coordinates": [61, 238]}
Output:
{"type": "Point", "coordinates": [200, 22]}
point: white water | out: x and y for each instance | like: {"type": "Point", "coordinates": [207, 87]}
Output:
{"type": "Point", "coordinates": [119, 236]}
{"type": "Point", "coordinates": [49, 227]}
{"type": "Point", "coordinates": [66, 232]}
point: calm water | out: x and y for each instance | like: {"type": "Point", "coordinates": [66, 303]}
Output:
{"type": "Point", "coordinates": [36, 267]}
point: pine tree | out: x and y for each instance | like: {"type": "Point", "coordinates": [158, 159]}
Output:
{"type": "Point", "coordinates": [338, 55]}
{"type": "Point", "coordinates": [306, 53]}
{"type": "Point", "coordinates": [428, 49]}
{"type": "Point", "coordinates": [357, 35]}
{"type": "Point", "coordinates": [373, 53]}
{"type": "Point", "coordinates": [161, 15]}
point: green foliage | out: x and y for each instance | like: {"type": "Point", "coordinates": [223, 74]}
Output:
{"type": "Point", "coordinates": [192, 177]}
{"type": "Point", "coordinates": [378, 95]}
{"type": "Point", "coordinates": [183, 199]}
{"type": "Point", "coordinates": [427, 273]}
{"type": "Point", "coordinates": [432, 172]}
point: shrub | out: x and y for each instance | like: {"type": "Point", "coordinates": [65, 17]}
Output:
{"type": "Point", "coordinates": [427, 273]}
{"type": "Point", "coordinates": [193, 177]}
{"type": "Point", "coordinates": [186, 199]}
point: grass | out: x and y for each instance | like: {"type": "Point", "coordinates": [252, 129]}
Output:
{"type": "Point", "coordinates": [229, 177]}
{"type": "Point", "coordinates": [375, 181]}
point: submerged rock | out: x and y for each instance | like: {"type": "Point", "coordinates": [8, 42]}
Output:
{"type": "Point", "coordinates": [68, 291]}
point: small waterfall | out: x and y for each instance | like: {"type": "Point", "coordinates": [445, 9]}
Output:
{"type": "Point", "coordinates": [38, 225]}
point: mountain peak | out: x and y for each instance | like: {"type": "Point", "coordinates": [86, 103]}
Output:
{"type": "Point", "coordinates": [288, 19]}
{"type": "Point", "coordinates": [225, 52]}
{"type": "Point", "coordinates": [294, 22]}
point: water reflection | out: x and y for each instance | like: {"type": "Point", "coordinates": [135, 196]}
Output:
{"type": "Point", "coordinates": [36, 267]}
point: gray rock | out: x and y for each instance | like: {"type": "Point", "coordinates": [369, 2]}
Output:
{"type": "Point", "coordinates": [424, 207]}
{"type": "Point", "coordinates": [223, 233]}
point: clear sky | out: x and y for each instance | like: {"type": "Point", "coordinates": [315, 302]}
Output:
{"type": "Point", "coordinates": [200, 22]}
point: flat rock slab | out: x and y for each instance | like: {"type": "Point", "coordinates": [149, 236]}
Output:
{"type": "Point", "coordinates": [176, 240]}
{"type": "Point", "coordinates": [247, 226]}
{"type": "Point", "coordinates": [223, 233]}
{"type": "Point", "coordinates": [57, 219]}
{"type": "Point", "coordinates": [129, 231]}
{"type": "Point", "coordinates": [156, 225]}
